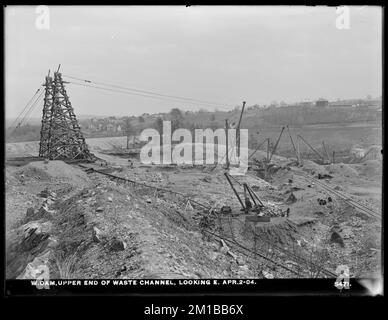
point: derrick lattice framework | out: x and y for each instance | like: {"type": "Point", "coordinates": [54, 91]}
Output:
{"type": "Point", "coordinates": [60, 135]}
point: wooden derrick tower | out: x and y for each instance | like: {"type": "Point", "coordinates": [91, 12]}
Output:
{"type": "Point", "coordinates": [60, 135]}
{"type": "Point", "coordinates": [48, 101]}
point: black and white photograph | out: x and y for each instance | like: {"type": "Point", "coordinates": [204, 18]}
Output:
{"type": "Point", "coordinates": [186, 147]}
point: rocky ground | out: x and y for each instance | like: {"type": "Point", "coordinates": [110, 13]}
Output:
{"type": "Point", "coordinates": [81, 225]}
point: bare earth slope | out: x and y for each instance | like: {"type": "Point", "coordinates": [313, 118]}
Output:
{"type": "Point", "coordinates": [83, 225]}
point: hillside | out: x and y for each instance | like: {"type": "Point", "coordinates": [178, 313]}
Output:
{"type": "Point", "coordinates": [79, 223]}
{"type": "Point", "coordinates": [254, 119]}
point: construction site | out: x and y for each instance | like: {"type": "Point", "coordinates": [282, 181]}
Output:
{"type": "Point", "coordinates": [83, 209]}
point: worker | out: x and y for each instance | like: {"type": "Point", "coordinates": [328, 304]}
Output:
{"type": "Point", "coordinates": [288, 212]}
{"type": "Point", "coordinates": [258, 208]}
{"type": "Point", "coordinates": [248, 204]}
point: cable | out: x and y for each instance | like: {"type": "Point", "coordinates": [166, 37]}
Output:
{"type": "Point", "coordinates": [26, 116]}
{"type": "Point", "coordinates": [233, 242]}
{"type": "Point", "coordinates": [197, 101]}
{"type": "Point", "coordinates": [288, 253]}
{"type": "Point", "coordinates": [28, 103]}
{"type": "Point", "coordinates": [147, 92]}
{"type": "Point", "coordinates": [257, 149]}
{"type": "Point", "coordinates": [137, 94]}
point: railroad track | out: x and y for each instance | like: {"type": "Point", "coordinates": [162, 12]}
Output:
{"type": "Point", "coordinates": [248, 252]}
{"type": "Point", "coordinates": [359, 206]}
{"type": "Point", "coordinates": [232, 241]}
{"type": "Point", "coordinates": [144, 185]}
{"type": "Point", "coordinates": [299, 259]}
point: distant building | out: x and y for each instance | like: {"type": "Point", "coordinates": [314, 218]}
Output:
{"type": "Point", "coordinates": [322, 103]}
{"type": "Point", "coordinates": [341, 104]}
{"type": "Point", "coordinates": [305, 103]}
{"type": "Point", "coordinates": [374, 103]}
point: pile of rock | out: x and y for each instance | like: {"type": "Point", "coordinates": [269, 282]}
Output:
{"type": "Point", "coordinates": [46, 193]}
{"type": "Point", "coordinates": [271, 209]}
{"type": "Point", "coordinates": [112, 243]}
{"type": "Point", "coordinates": [33, 246]}
{"type": "Point", "coordinates": [154, 177]}
{"type": "Point", "coordinates": [291, 198]}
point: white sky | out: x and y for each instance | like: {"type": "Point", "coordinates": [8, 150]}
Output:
{"type": "Point", "coordinates": [222, 54]}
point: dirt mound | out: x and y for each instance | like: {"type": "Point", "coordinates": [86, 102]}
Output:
{"type": "Point", "coordinates": [370, 168]}
{"type": "Point", "coordinates": [10, 179]}
{"type": "Point", "coordinates": [363, 154]}
{"type": "Point", "coordinates": [374, 153]}
{"type": "Point", "coordinates": [313, 168]}
{"type": "Point", "coordinates": [280, 231]}
{"type": "Point", "coordinates": [106, 143]}
{"type": "Point", "coordinates": [32, 147]}
{"type": "Point", "coordinates": [343, 169]}
{"type": "Point", "coordinates": [22, 148]}
{"type": "Point", "coordinates": [261, 155]}
{"type": "Point", "coordinates": [52, 171]}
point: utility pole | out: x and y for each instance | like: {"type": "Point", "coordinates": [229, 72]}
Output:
{"type": "Point", "coordinates": [307, 144]}
{"type": "Point", "coordinates": [257, 148]}
{"type": "Point", "coordinates": [238, 130]}
{"type": "Point", "coordinates": [127, 140]}
{"type": "Point", "coordinates": [268, 147]}
{"type": "Point", "coordinates": [293, 144]}
{"type": "Point", "coordinates": [234, 190]}
{"type": "Point", "coordinates": [324, 148]}
{"type": "Point", "coordinates": [227, 142]}
{"type": "Point", "coordinates": [299, 156]}
{"type": "Point", "coordinates": [276, 145]}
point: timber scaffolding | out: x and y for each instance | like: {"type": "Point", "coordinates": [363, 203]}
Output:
{"type": "Point", "coordinates": [219, 232]}
{"type": "Point", "coordinates": [60, 135]}
{"type": "Point", "coordinates": [369, 212]}
{"type": "Point", "coordinates": [323, 156]}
